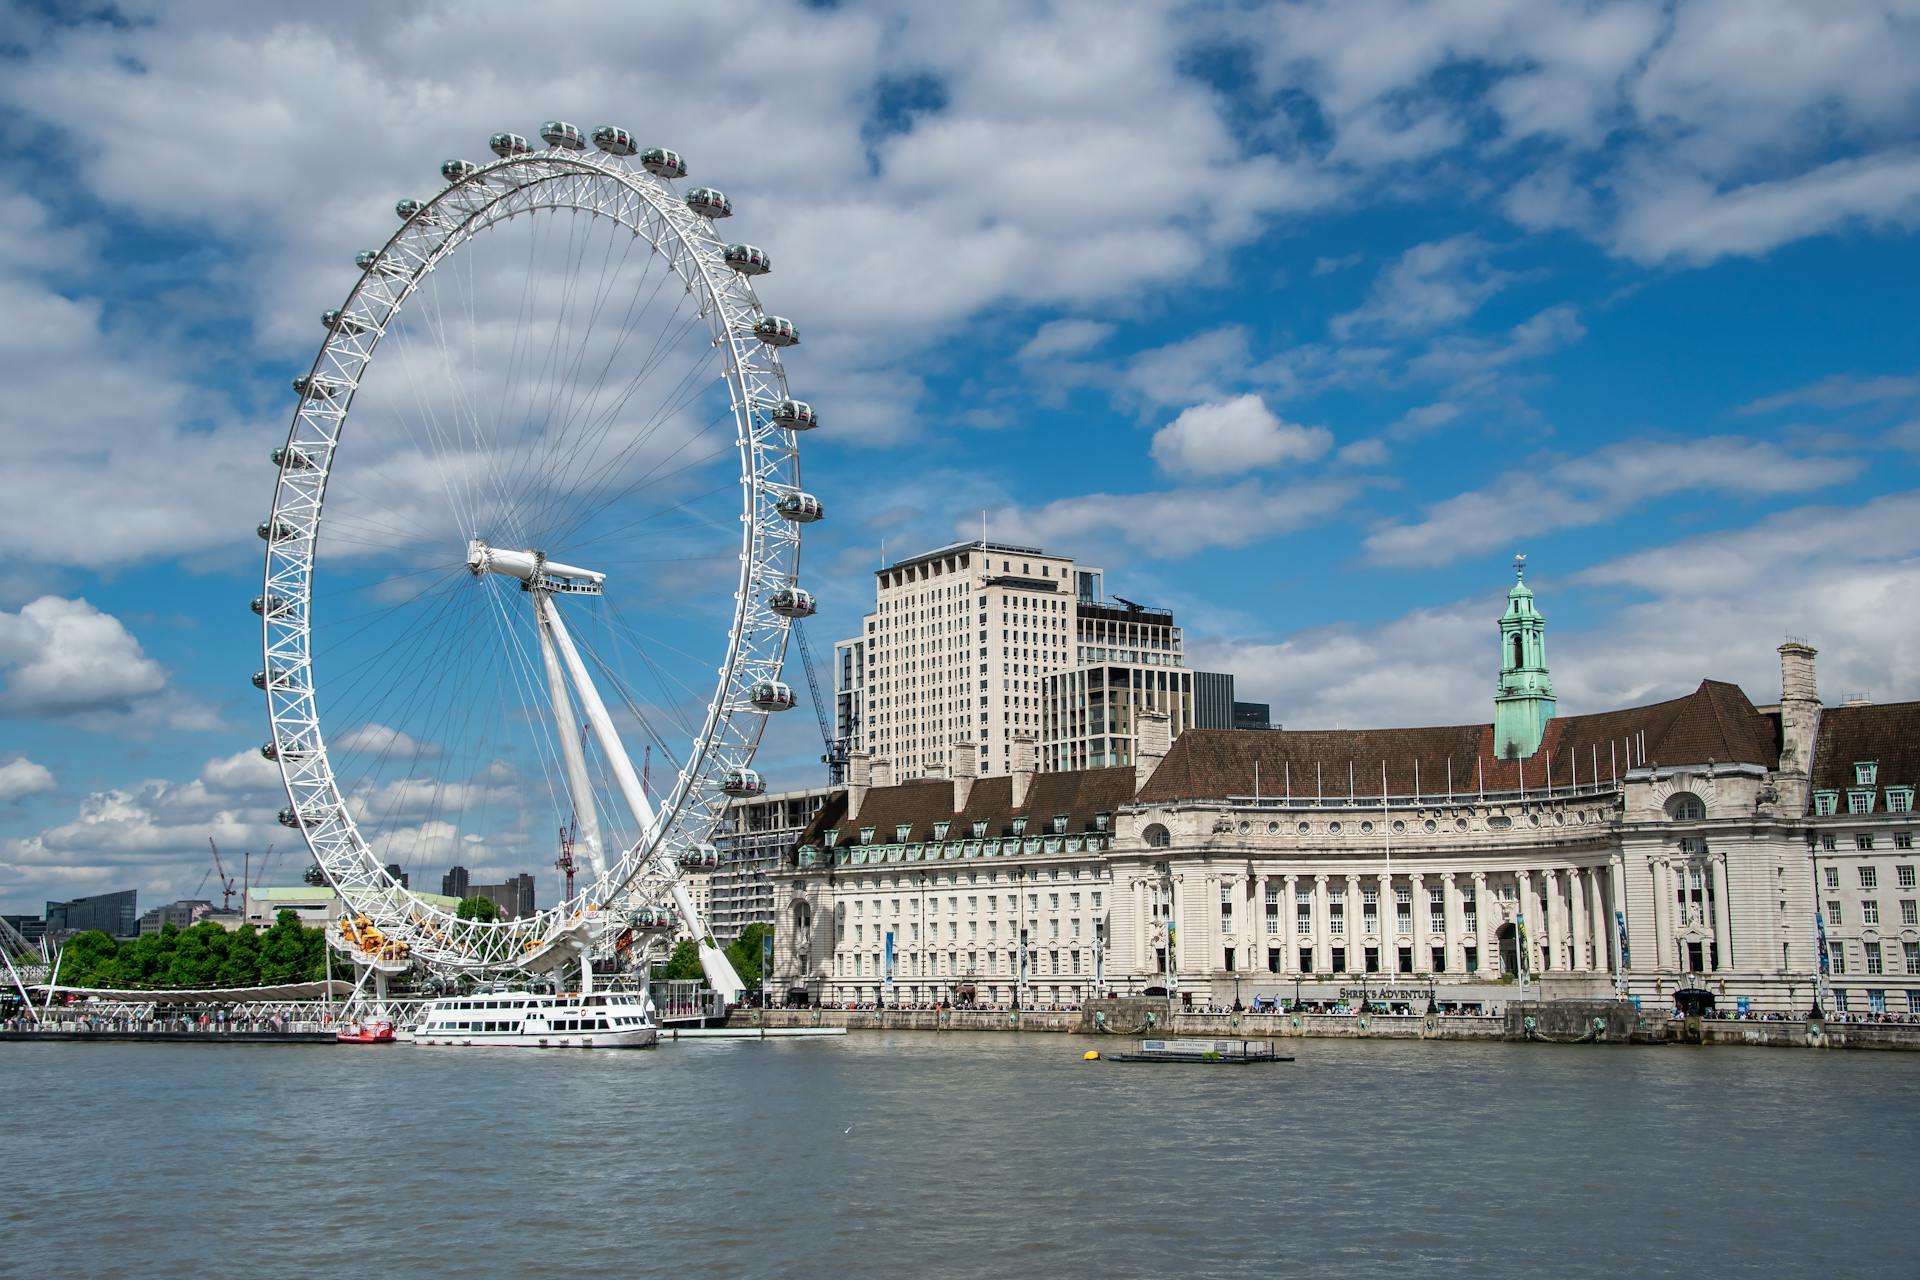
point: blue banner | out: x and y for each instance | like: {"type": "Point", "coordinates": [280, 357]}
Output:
{"type": "Point", "coordinates": [889, 958]}
{"type": "Point", "coordinates": [1820, 940]}
{"type": "Point", "coordinates": [1620, 922]}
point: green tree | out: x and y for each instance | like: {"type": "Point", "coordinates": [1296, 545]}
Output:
{"type": "Point", "coordinates": [744, 952]}
{"type": "Point", "coordinates": [89, 960]}
{"type": "Point", "coordinates": [283, 951]}
{"type": "Point", "coordinates": [241, 968]}
{"type": "Point", "coordinates": [684, 963]}
{"type": "Point", "coordinates": [484, 910]}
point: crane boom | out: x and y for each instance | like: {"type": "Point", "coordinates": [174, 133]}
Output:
{"type": "Point", "coordinates": [835, 759]}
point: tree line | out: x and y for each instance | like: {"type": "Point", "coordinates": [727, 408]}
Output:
{"type": "Point", "coordinates": [744, 952]}
{"type": "Point", "coordinates": [204, 955]}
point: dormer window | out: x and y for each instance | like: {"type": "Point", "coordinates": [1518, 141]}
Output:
{"type": "Point", "coordinates": [866, 835]}
{"type": "Point", "coordinates": [1859, 802]}
{"type": "Point", "coordinates": [1019, 826]}
{"type": "Point", "coordinates": [1060, 824]}
{"type": "Point", "coordinates": [1101, 821]}
{"type": "Point", "coordinates": [1899, 799]}
{"type": "Point", "coordinates": [901, 832]}
{"type": "Point", "coordinates": [940, 830]}
{"type": "Point", "coordinates": [1826, 803]}
{"type": "Point", "coordinates": [979, 830]}
{"type": "Point", "coordinates": [1866, 772]}
{"type": "Point", "coordinates": [830, 837]}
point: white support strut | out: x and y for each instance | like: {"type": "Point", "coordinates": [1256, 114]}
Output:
{"type": "Point", "coordinates": [713, 961]}
{"type": "Point", "coordinates": [579, 786]}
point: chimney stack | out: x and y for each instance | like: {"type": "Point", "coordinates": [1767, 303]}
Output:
{"type": "Point", "coordinates": [1799, 721]}
{"type": "Point", "coordinates": [859, 779]}
{"type": "Point", "coordinates": [1155, 741]}
{"type": "Point", "coordinates": [883, 772]}
{"type": "Point", "coordinates": [1022, 768]}
{"type": "Point", "coordinates": [966, 768]}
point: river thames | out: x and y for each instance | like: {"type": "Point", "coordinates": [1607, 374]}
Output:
{"type": "Point", "coordinates": [889, 1155]}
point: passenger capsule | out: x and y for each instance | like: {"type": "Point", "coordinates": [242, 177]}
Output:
{"type": "Point", "coordinates": [291, 459]}
{"type": "Point", "coordinates": [508, 144]}
{"type": "Point", "coordinates": [776, 331]}
{"type": "Point", "coordinates": [288, 818]}
{"type": "Point", "coordinates": [749, 259]}
{"type": "Point", "coordinates": [408, 210]}
{"type": "Point", "coordinates": [260, 680]}
{"type": "Point", "coordinates": [742, 782]}
{"type": "Point", "coordinates": [265, 606]}
{"type": "Point", "coordinates": [268, 751]}
{"type": "Point", "coordinates": [662, 163]}
{"type": "Point", "coordinates": [613, 140]}
{"type": "Point", "coordinates": [558, 133]}
{"type": "Point", "coordinates": [795, 415]}
{"type": "Point", "coordinates": [312, 388]}
{"type": "Point", "coordinates": [791, 602]}
{"type": "Point", "coordinates": [274, 530]}
{"type": "Point", "coordinates": [772, 695]}
{"type": "Point", "coordinates": [801, 508]}
{"type": "Point", "coordinates": [709, 203]}
{"type": "Point", "coordinates": [342, 321]}
{"type": "Point", "coordinates": [458, 170]}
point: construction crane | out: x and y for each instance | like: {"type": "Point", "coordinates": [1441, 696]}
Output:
{"type": "Point", "coordinates": [836, 758]}
{"type": "Point", "coordinates": [564, 863]}
{"type": "Point", "coordinates": [226, 881]}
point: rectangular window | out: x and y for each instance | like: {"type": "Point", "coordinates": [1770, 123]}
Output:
{"type": "Point", "coordinates": [1899, 799]}
{"type": "Point", "coordinates": [1869, 911]}
{"type": "Point", "coordinates": [1439, 959]}
{"type": "Point", "coordinates": [1903, 876]}
{"type": "Point", "coordinates": [1837, 958]}
{"type": "Point", "coordinates": [1826, 803]}
{"type": "Point", "coordinates": [1863, 841]}
{"type": "Point", "coordinates": [1866, 772]}
{"type": "Point", "coordinates": [1908, 912]}
{"type": "Point", "coordinates": [1869, 878]}
{"type": "Point", "coordinates": [1306, 959]}
{"type": "Point", "coordinates": [1373, 959]}
{"type": "Point", "coordinates": [1912, 957]}
{"type": "Point", "coordinates": [1873, 958]}
{"type": "Point", "coordinates": [1827, 843]}
{"type": "Point", "coordinates": [1859, 802]}
{"type": "Point", "coordinates": [1833, 913]}
{"type": "Point", "coordinates": [1833, 877]}
{"type": "Point", "coordinates": [1339, 959]}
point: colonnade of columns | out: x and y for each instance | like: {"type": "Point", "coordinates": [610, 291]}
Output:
{"type": "Point", "coordinates": [1293, 922]}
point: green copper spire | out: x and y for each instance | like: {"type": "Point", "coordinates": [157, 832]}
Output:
{"type": "Point", "coordinates": [1524, 703]}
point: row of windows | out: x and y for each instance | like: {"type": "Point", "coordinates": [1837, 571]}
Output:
{"type": "Point", "coordinates": [1879, 957]}
{"type": "Point", "coordinates": [1903, 875]}
{"type": "Point", "coordinates": [1861, 800]}
{"type": "Point", "coordinates": [1870, 911]}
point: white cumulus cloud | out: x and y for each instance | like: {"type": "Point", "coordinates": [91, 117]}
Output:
{"type": "Point", "coordinates": [1229, 437]}
{"type": "Point", "coordinates": [22, 777]}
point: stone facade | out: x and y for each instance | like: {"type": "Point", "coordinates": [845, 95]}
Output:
{"type": "Point", "coordinates": [1643, 851]}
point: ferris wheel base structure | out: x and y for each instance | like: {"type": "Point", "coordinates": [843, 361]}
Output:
{"type": "Point", "coordinates": [634, 848]}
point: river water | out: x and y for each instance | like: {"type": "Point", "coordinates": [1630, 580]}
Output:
{"type": "Point", "coordinates": [898, 1155]}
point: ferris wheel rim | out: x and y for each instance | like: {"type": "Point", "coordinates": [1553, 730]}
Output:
{"type": "Point", "coordinates": [754, 377]}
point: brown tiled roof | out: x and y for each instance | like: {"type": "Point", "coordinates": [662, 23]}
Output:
{"type": "Point", "coordinates": [1715, 722]}
{"type": "Point", "coordinates": [924, 801]}
{"type": "Point", "coordinates": [1888, 733]}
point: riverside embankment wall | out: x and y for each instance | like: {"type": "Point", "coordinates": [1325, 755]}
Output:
{"type": "Point", "coordinates": [1552, 1024]}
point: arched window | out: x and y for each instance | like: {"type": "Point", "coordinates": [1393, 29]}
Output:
{"type": "Point", "coordinates": [1157, 836]}
{"type": "Point", "coordinates": [1686, 807]}
{"type": "Point", "coordinates": [802, 916]}
{"type": "Point", "coordinates": [1518, 661]}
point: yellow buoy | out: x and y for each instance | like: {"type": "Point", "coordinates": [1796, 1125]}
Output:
{"type": "Point", "coordinates": [1091, 1055]}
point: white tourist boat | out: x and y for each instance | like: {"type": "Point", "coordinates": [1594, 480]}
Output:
{"type": "Point", "coordinates": [529, 1020]}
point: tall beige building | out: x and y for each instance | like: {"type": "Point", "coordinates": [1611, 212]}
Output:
{"type": "Point", "coordinates": [988, 642]}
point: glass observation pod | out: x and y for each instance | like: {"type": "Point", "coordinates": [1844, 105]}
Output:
{"type": "Point", "coordinates": [772, 695]}
{"type": "Point", "coordinates": [274, 530]}
{"type": "Point", "coordinates": [291, 459]}
{"type": "Point", "coordinates": [373, 260]}
{"type": "Point", "coordinates": [795, 415]}
{"type": "Point", "coordinates": [508, 144]}
{"type": "Point", "coordinates": [709, 203]}
{"type": "Point", "coordinates": [742, 782]}
{"type": "Point", "coordinates": [263, 605]}
{"type": "Point", "coordinates": [260, 679]}
{"type": "Point", "coordinates": [271, 751]}
{"type": "Point", "coordinates": [613, 140]}
{"type": "Point", "coordinates": [791, 602]}
{"type": "Point", "coordinates": [408, 210]}
{"type": "Point", "coordinates": [662, 163]}
{"type": "Point", "coordinates": [776, 331]}
{"type": "Point", "coordinates": [342, 321]}
{"type": "Point", "coordinates": [801, 508]}
{"type": "Point", "coordinates": [558, 133]}
{"type": "Point", "coordinates": [288, 818]}
{"type": "Point", "coordinates": [458, 170]}
{"type": "Point", "coordinates": [312, 388]}
{"type": "Point", "coordinates": [749, 259]}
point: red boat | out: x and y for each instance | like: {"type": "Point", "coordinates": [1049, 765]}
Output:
{"type": "Point", "coordinates": [379, 1031]}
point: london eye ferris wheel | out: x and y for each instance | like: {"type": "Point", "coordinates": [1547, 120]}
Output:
{"type": "Point", "coordinates": [562, 534]}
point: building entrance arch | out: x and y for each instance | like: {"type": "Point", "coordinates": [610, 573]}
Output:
{"type": "Point", "coordinates": [1507, 938]}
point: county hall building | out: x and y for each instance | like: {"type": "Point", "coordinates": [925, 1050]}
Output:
{"type": "Point", "coordinates": [1763, 854]}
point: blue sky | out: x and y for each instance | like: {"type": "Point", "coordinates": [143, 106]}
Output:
{"type": "Point", "coordinates": [1298, 318]}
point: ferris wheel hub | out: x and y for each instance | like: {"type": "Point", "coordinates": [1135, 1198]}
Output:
{"type": "Point", "coordinates": [534, 569]}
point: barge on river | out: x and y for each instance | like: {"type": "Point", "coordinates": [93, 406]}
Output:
{"type": "Point", "coordinates": [1209, 1052]}
{"type": "Point", "coordinates": [528, 1020]}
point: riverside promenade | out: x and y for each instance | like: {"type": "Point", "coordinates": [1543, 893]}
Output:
{"type": "Point", "coordinates": [1558, 1022]}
